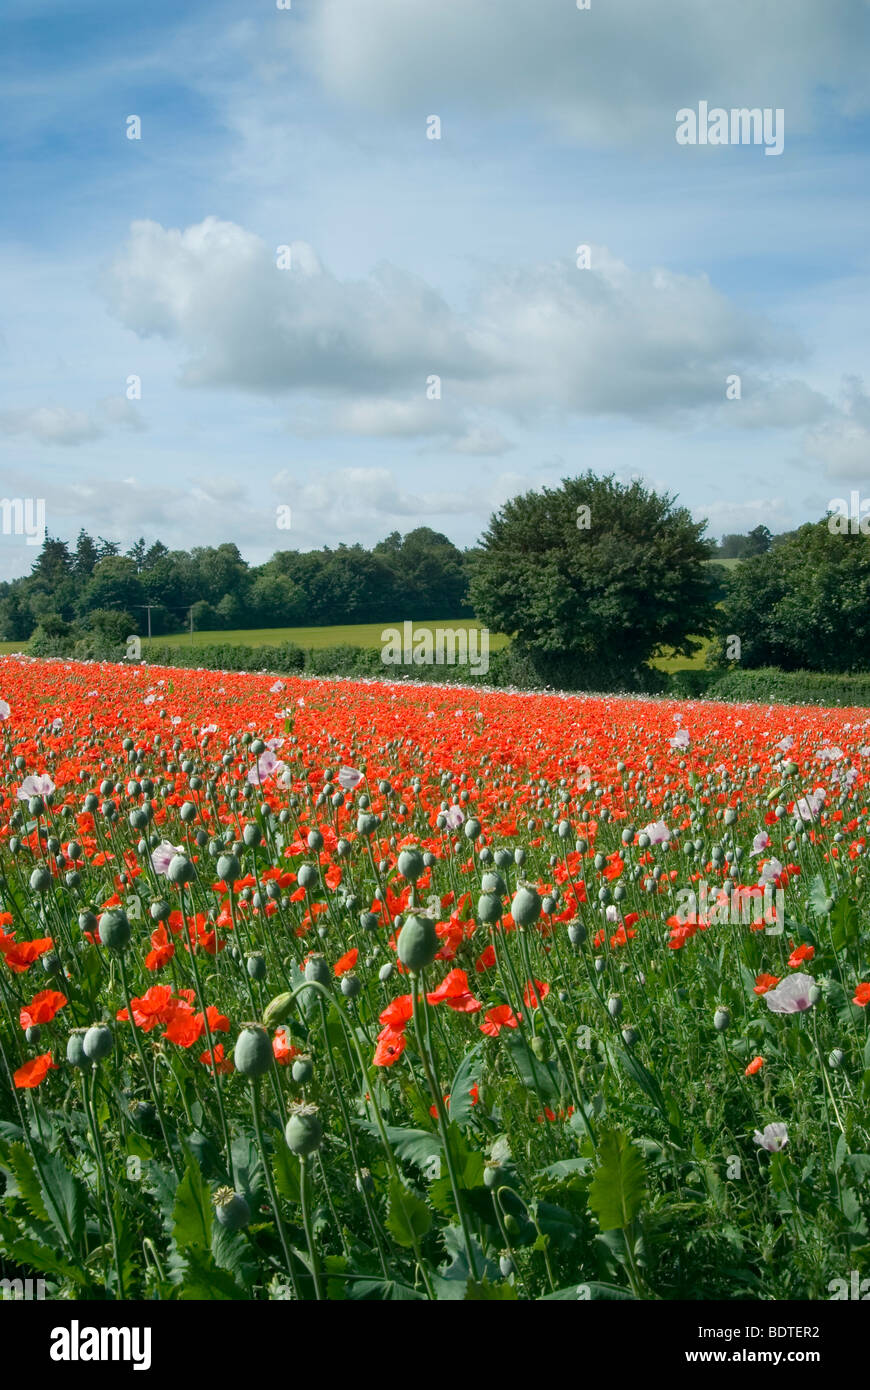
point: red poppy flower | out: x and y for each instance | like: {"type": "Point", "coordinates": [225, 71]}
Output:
{"type": "Point", "coordinates": [21, 954]}
{"type": "Point", "coordinates": [454, 992]}
{"type": "Point", "coordinates": [346, 962]}
{"type": "Point", "coordinates": [801, 954]}
{"type": "Point", "coordinates": [502, 1016]}
{"type": "Point", "coordinates": [389, 1049]}
{"type": "Point", "coordinates": [534, 992]}
{"type": "Point", "coordinates": [34, 1072]}
{"type": "Point", "coordinates": [397, 1013]}
{"type": "Point", "coordinates": [282, 1049]}
{"type": "Point", "coordinates": [754, 1066]}
{"type": "Point", "coordinates": [42, 1008]}
{"type": "Point", "coordinates": [862, 996]}
{"type": "Point", "coordinates": [765, 982]}
{"type": "Point", "coordinates": [224, 1064]}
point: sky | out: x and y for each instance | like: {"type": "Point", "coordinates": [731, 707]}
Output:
{"type": "Point", "coordinates": [287, 294]}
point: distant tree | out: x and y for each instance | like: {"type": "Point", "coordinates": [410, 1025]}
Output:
{"type": "Point", "coordinates": [804, 604]}
{"type": "Point", "coordinates": [758, 541]}
{"type": "Point", "coordinates": [591, 578]}
{"type": "Point", "coordinates": [86, 556]}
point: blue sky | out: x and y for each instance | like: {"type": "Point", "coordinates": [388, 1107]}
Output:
{"type": "Point", "coordinates": [414, 257]}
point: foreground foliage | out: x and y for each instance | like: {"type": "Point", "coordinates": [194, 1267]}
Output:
{"type": "Point", "coordinates": [325, 990]}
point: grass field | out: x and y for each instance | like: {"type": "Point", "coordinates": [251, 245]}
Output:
{"type": "Point", "coordinates": [353, 634]}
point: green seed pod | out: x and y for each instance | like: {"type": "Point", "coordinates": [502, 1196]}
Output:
{"type": "Point", "coordinates": [471, 829]}
{"type": "Point", "coordinates": [252, 835]}
{"type": "Point", "coordinates": [75, 1050]}
{"type": "Point", "coordinates": [418, 943]}
{"type": "Point", "coordinates": [836, 1058]}
{"type": "Point", "coordinates": [614, 1005]}
{"type": "Point", "coordinates": [410, 865]}
{"type": "Point", "coordinates": [231, 1209]}
{"type": "Point", "coordinates": [229, 869]}
{"type": "Point", "coordinates": [278, 1009]}
{"type": "Point", "coordinates": [256, 966]}
{"type": "Point", "coordinates": [386, 972]}
{"type": "Point", "coordinates": [526, 906]}
{"type": "Point", "coordinates": [253, 1051]}
{"type": "Point", "coordinates": [317, 971]}
{"type": "Point", "coordinates": [351, 986]}
{"type": "Point", "coordinates": [489, 908]}
{"type": "Point", "coordinates": [576, 932]}
{"type": "Point", "coordinates": [494, 884]}
{"type": "Point", "coordinates": [180, 870]}
{"type": "Point", "coordinates": [303, 1069]}
{"type": "Point", "coordinates": [33, 1033]}
{"type": "Point", "coordinates": [98, 1042]}
{"type": "Point", "coordinates": [303, 1131]}
{"type": "Point", "coordinates": [40, 880]}
{"type": "Point", "coordinates": [115, 929]}
{"type": "Point", "coordinates": [722, 1019]}
{"type": "Point", "coordinates": [540, 1047]}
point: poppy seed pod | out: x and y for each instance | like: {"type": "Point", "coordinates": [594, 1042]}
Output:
{"type": "Point", "coordinates": [180, 870]}
{"type": "Point", "coordinates": [252, 835]}
{"type": "Point", "coordinates": [256, 966]}
{"type": "Point", "coordinates": [614, 1005]}
{"type": "Point", "coordinates": [526, 906]}
{"type": "Point", "coordinates": [418, 943]}
{"type": "Point", "coordinates": [252, 1054]}
{"type": "Point", "coordinates": [410, 865]}
{"type": "Point", "coordinates": [488, 908]}
{"type": "Point", "coordinates": [40, 879]}
{"type": "Point", "coordinates": [303, 1069]}
{"type": "Point", "coordinates": [576, 933]}
{"type": "Point", "coordinates": [228, 868]}
{"type": "Point", "coordinates": [231, 1209]}
{"type": "Point", "coordinates": [722, 1019]}
{"type": "Point", "coordinates": [75, 1049]}
{"type": "Point", "coordinates": [317, 971]}
{"type": "Point", "coordinates": [307, 876]}
{"type": "Point", "coordinates": [98, 1042]}
{"type": "Point", "coordinates": [115, 930]}
{"type": "Point", "coordinates": [303, 1131]}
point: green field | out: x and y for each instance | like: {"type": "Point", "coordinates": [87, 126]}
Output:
{"type": "Point", "coordinates": [353, 634]}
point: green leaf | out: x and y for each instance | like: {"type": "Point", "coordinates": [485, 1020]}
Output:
{"type": "Point", "coordinates": [468, 1074]}
{"type": "Point", "coordinates": [544, 1078]}
{"type": "Point", "coordinates": [285, 1166]}
{"type": "Point", "coordinates": [206, 1281]}
{"type": "Point", "coordinates": [64, 1197]}
{"type": "Point", "coordinates": [819, 896]}
{"type": "Point", "coordinates": [192, 1212]}
{"type": "Point", "coordinates": [845, 924]}
{"type": "Point", "coordinates": [618, 1185]}
{"type": "Point", "coordinates": [408, 1218]}
{"type": "Point", "coordinates": [589, 1290]}
{"type": "Point", "coordinates": [411, 1145]}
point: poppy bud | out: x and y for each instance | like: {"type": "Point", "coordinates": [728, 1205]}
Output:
{"type": "Point", "coordinates": [722, 1019]}
{"type": "Point", "coordinates": [278, 1009]}
{"type": "Point", "coordinates": [256, 966]}
{"type": "Point", "coordinates": [302, 1069]}
{"type": "Point", "coordinates": [614, 1005]}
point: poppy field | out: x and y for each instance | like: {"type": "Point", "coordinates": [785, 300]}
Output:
{"type": "Point", "coordinates": [332, 990]}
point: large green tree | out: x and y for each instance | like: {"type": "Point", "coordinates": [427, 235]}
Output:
{"type": "Point", "coordinates": [591, 578]}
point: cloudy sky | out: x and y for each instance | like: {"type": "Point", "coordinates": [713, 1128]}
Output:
{"type": "Point", "coordinates": [285, 261]}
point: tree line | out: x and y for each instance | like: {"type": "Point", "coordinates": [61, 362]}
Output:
{"type": "Point", "coordinates": [590, 580]}
{"type": "Point", "coordinates": [92, 587]}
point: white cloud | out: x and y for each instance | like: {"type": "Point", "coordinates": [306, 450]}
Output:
{"type": "Point", "coordinates": [51, 424]}
{"type": "Point", "coordinates": [619, 70]}
{"type": "Point", "coordinates": [610, 340]}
